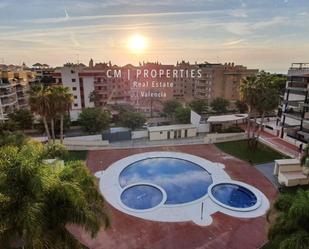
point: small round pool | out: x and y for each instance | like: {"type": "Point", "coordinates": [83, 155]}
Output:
{"type": "Point", "coordinates": [142, 196]}
{"type": "Point", "coordinates": [182, 180]}
{"type": "Point", "coordinates": [234, 196]}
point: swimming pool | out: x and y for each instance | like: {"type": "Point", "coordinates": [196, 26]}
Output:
{"type": "Point", "coordinates": [177, 187]}
{"type": "Point", "coordinates": [234, 196]}
{"type": "Point", "coordinates": [182, 180]}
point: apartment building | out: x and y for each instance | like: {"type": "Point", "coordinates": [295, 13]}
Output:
{"type": "Point", "coordinates": [221, 80]}
{"type": "Point", "coordinates": [147, 86]}
{"type": "Point", "coordinates": [13, 91]}
{"type": "Point", "coordinates": [294, 112]}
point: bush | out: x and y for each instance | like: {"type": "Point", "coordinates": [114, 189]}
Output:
{"type": "Point", "coordinates": [132, 120]}
{"type": "Point", "coordinates": [12, 138]}
{"type": "Point", "coordinates": [55, 150]}
{"type": "Point", "coordinates": [94, 120]}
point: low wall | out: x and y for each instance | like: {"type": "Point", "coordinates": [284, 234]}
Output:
{"type": "Point", "coordinates": [139, 134]}
{"type": "Point", "coordinates": [84, 138]}
{"type": "Point", "coordinates": [224, 137]}
{"type": "Point", "coordinates": [85, 145]}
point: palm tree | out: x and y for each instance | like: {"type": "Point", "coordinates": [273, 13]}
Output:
{"type": "Point", "coordinates": [291, 228]}
{"type": "Point", "coordinates": [38, 201]}
{"type": "Point", "coordinates": [268, 98]}
{"type": "Point", "coordinates": [39, 101]}
{"type": "Point", "coordinates": [248, 90]}
{"type": "Point", "coordinates": [62, 99]}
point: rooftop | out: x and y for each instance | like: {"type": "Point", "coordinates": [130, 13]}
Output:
{"type": "Point", "coordinates": [226, 118]}
{"type": "Point", "coordinates": [171, 127]}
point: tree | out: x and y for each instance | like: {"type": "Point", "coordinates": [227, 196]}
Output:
{"type": "Point", "coordinates": [268, 96]}
{"type": "Point", "coordinates": [62, 99]}
{"type": "Point", "coordinates": [170, 106]}
{"type": "Point", "coordinates": [241, 106]}
{"type": "Point", "coordinates": [220, 105]}
{"type": "Point", "coordinates": [132, 120]}
{"type": "Point", "coordinates": [182, 115]}
{"type": "Point", "coordinates": [291, 227]}
{"type": "Point", "coordinates": [22, 117]}
{"type": "Point", "coordinates": [39, 101]}
{"type": "Point", "coordinates": [199, 106]}
{"type": "Point", "coordinates": [94, 120]}
{"type": "Point", "coordinates": [37, 201]}
{"type": "Point", "coordinates": [248, 90]}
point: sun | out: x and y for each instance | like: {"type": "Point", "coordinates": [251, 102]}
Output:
{"type": "Point", "coordinates": [137, 43]}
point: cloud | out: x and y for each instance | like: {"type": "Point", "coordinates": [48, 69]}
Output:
{"type": "Point", "coordinates": [245, 28]}
{"type": "Point", "coordinates": [239, 13]}
{"type": "Point", "coordinates": [116, 16]}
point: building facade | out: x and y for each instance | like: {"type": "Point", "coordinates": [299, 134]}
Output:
{"type": "Point", "coordinates": [294, 112]}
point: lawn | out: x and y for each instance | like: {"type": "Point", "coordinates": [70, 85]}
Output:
{"type": "Point", "coordinates": [239, 149]}
{"type": "Point", "coordinates": [76, 155]}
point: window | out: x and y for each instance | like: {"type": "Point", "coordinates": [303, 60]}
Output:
{"type": "Point", "coordinates": [75, 105]}
{"type": "Point", "coordinates": [74, 88]}
{"type": "Point", "coordinates": [73, 80]}
{"type": "Point", "coordinates": [72, 71]}
{"type": "Point", "coordinates": [75, 97]}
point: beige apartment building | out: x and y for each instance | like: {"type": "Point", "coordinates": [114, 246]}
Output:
{"type": "Point", "coordinates": [14, 84]}
{"type": "Point", "coordinates": [221, 80]}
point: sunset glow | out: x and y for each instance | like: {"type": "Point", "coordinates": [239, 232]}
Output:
{"type": "Point", "coordinates": [137, 43]}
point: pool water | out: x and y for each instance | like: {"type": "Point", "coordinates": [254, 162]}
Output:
{"type": "Point", "coordinates": [141, 197]}
{"type": "Point", "coordinates": [182, 180]}
{"type": "Point", "coordinates": [234, 195]}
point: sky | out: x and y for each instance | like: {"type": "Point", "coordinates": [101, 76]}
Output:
{"type": "Point", "coordinates": [263, 34]}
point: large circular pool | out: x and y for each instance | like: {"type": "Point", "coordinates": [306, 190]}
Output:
{"type": "Point", "coordinates": [233, 195]}
{"type": "Point", "coordinates": [182, 180]}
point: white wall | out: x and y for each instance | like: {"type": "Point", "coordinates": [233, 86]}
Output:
{"type": "Point", "coordinates": [139, 134]}
{"type": "Point", "coordinates": [203, 128]}
{"type": "Point", "coordinates": [224, 137]}
{"type": "Point", "coordinates": [195, 118]}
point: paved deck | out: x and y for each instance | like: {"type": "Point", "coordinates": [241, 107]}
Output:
{"type": "Point", "coordinates": [225, 232]}
{"type": "Point", "coordinates": [280, 144]}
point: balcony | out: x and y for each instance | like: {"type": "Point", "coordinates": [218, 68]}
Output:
{"type": "Point", "coordinates": [293, 114]}
{"type": "Point", "coordinates": [8, 102]}
{"type": "Point", "coordinates": [297, 84]}
{"type": "Point", "coordinates": [7, 94]}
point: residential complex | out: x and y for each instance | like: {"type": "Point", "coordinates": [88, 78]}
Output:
{"type": "Point", "coordinates": [96, 85]}
{"type": "Point", "coordinates": [14, 85]}
{"type": "Point", "coordinates": [294, 113]}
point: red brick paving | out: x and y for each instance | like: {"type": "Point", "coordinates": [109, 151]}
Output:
{"type": "Point", "coordinates": [282, 144]}
{"type": "Point", "coordinates": [226, 232]}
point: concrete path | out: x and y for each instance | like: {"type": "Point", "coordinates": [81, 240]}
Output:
{"type": "Point", "coordinates": [267, 170]}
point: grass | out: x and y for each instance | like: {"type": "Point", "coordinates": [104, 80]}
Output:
{"type": "Point", "coordinates": [76, 155]}
{"type": "Point", "coordinates": [239, 149]}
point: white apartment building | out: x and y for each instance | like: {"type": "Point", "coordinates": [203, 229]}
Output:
{"type": "Point", "coordinates": [81, 87]}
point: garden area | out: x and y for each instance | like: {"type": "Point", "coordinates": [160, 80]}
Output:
{"type": "Point", "coordinates": [240, 149]}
